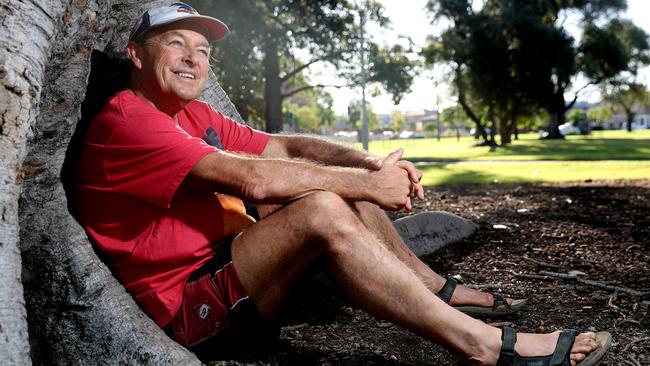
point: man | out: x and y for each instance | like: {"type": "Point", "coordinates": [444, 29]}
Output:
{"type": "Point", "coordinates": [153, 159]}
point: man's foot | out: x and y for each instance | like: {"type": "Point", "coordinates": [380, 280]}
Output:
{"type": "Point", "coordinates": [565, 347]}
{"type": "Point", "coordinates": [475, 302]}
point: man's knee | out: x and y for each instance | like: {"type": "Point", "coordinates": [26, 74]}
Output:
{"type": "Point", "coordinates": [365, 207]}
{"type": "Point", "coordinates": [328, 213]}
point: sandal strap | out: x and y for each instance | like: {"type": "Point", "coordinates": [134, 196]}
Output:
{"type": "Point", "coordinates": [562, 353]}
{"type": "Point", "coordinates": [560, 357]}
{"type": "Point", "coordinates": [500, 301]}
{"type": "Point", "coordinates": [508, 356]}
{"type": "Point", "coordinates": [447, 290]}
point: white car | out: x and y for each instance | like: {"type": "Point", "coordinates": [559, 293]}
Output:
{"type": "Point", "coordinates": [568, 129]}
{"type": "Point", "coordinates": [406, 134]}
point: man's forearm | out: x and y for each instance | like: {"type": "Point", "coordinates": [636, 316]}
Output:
{"type": "Point", "coordinates": [280, 181]}
{"type": "Point", "coordinates": [323, 151]}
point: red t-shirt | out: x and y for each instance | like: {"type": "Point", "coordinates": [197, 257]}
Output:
{"type": "Point", "coordinates": [153, 233]}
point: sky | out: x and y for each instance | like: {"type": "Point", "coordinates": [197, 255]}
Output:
{"type": "Point", "coordinates": [409, 18]}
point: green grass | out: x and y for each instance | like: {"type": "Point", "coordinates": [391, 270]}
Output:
{"type": "Point", "coordinates": [533, 171]}
{"type": "Point", "coordinates": [602, 155]}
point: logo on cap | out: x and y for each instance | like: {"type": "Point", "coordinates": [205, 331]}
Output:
{"type": "Point", "coordinates": [184, 8]}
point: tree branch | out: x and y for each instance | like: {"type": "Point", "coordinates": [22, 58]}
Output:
{"type": "Point", "coordinates": [575, 98]}
{"type": "Point", "coordinates": [307, 87]}
{"type": "Point", "coordinates": [295, 71]}
{"type": "Point", "coordinates": [595, 283]}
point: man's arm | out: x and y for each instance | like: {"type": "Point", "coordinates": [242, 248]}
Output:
{"type": "Point", "coordinates": [319, 150]}
{"type": "Point", "coordinates": [264, 180]}
{"type": "Point", "coordinates": [330, 153]}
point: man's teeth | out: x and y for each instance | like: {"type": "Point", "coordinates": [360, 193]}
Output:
{"type": "Point", "coordinates": [185, 75]}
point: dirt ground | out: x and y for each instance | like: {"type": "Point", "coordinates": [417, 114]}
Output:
{"type": "Point", "coordinates": [597, 231]}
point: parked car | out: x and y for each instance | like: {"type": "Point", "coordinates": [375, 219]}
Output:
{"type": "Point", "coordinates": [569, 129]}
{"type": "Point", "coordinates": [390, 134]}
{"type": "Point", "coordinates": [474, 132]}
{"type": "Point", "coordinates": [406, 134]}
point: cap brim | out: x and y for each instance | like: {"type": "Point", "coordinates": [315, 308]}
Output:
{"type": "Point", "coordinates": [218, 30]}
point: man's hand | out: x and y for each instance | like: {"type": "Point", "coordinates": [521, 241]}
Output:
{"type": "Point", "coordinates": [393, 184]}
{"type": "Point", "coordinates": [417, 191]}
{"type": "Point", "coordinates": [415, 175]}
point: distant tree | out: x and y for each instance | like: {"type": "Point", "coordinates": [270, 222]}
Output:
{"type": "Point", "coordinates": [397, 120]}
{"type": "Point", "coordinates": [578, 118]}
{"type": "Point", "coordinates": [452, 47]}
{"type": "Point", "coordinates": [305, 117]}
{"type": "Point", "coordinates": [354, 115]}
{"type": "Point", "coordinates": [257, 63]}
{"type": "Point", "coordinates": [324, 108]}
{"type": "Point", "coordinates": [310, 111]}
{"type": "Point", "coordinates": [600, 114]}
{"type": "Point", "coordinates": [516, 55]}
{"type": "Point", "coordinates": [455, 116]}
{"type": "Point", "coordinates": [534, 122]}
{"type": "Point", "coordinates": [625, 92]}
{"type": "Point", "coordinates": [627, 98]}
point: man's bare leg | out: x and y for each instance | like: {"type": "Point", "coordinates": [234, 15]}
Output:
{"type": "Point", "coordinates": [270, 255]}
{"type": "Point", "coordinates": [377, 222]}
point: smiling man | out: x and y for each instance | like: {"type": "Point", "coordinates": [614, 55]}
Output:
{"type": "Point", "coordinates": [161, 188]}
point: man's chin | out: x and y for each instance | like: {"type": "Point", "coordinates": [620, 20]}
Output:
{"type": "Point", "coordinates": [187, 96]}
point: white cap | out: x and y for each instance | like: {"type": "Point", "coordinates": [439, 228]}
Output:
{"type": "Point", "coordinates": [156, 17]}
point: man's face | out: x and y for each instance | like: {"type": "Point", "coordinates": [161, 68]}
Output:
{"type": "Point", "coordinates": [175, 63]}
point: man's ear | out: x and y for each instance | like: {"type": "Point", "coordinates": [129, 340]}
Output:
{"type": "Point", "coordinates": [135, 54]}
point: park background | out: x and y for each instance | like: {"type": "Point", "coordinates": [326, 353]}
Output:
{"type": "Point", "coordinates": [505, 72]}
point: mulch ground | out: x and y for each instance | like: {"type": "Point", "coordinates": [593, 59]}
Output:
{"type": "Point", "coordinates": [596, 231]}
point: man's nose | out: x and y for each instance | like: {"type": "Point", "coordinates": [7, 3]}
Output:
{"type": "Point", "coordinates": [190, 57]}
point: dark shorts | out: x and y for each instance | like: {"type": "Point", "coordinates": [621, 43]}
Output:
{"type": "Point", "coordinates": [214, 303]}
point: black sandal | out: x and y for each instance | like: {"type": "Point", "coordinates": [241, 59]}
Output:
{"type": "Point", "coordinates": [561, 356]}
{"type": "Point", "coordinates": [499, 307]}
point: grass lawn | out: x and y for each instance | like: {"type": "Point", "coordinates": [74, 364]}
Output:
{"type": "Point", "coordinates": [602, 155]}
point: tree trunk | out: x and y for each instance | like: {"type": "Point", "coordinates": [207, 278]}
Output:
{"type": "Point", "coordinates": [630, 118]}
{"type": "Point", "coordinates": [492, 118]}
{"type": "Point", "coordinates": [77, 311]}
{"type": "Point", "coordinates": [466, 108]}
{"type": "Point", "coordinates": [504, 131]}
{"type": "Point", "coordinates": [556, 117]}
{"type": "Point", "coordinates": [514, 127]}
{"type": "Point", "coordinates": [272, 86]}
{"type": "Point", "coordinates": [21, 73]}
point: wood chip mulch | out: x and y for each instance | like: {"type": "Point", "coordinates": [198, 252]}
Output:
{"type": "Point", "coordinates": [579, 252]}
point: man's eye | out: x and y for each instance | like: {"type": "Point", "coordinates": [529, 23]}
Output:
{"type": "Point", "coordinates": [176, 43]}
{"type": "Point", "coordinates": [204, 52]}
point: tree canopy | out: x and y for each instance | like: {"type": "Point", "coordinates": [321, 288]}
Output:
{"type": "Point", "coordinates": [258, 63]}
{"type": "Point", "coordinates": [517, 56]}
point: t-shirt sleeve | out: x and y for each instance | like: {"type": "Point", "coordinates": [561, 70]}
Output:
{"type": "Point", "coordinates": [148, 156]}
{"type": "Point", "coordinates": [236, 136]}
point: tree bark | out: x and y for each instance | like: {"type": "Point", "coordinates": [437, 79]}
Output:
{"type": "Point", "coordinates": [77, 311]}
{"type": "Point", "coordinates": [27, 28]}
